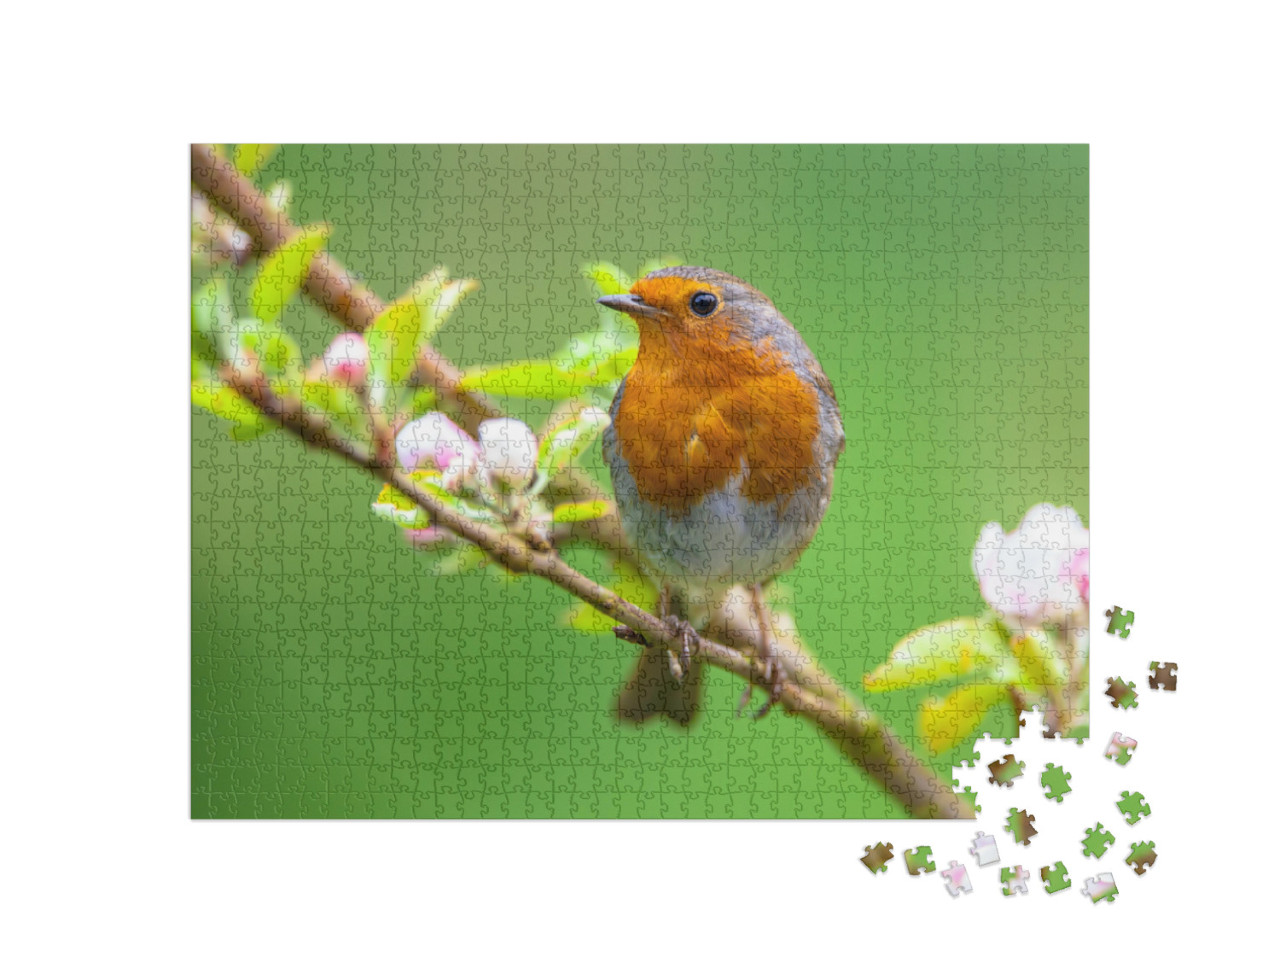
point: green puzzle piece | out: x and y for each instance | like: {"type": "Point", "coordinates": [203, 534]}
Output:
{"type": "Point", "coordinates": [1096, 841]}
{"type": "Point", "coordinates": [1054, 780]}
{"type": "Point", "coordinates": [1141, 856]}
{"type": "Point", "coordinates": [1123, 695]}
{"type": "Point", "coordinates": [1133, 806]}
{"type": "Point", "coordinates": [918, 861]}
{"type": "Point", "coordinates": [1055, 880]}
{"type": "Point", "coordinates": [1019, 824]}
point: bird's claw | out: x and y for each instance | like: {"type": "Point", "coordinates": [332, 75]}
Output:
{"type": "Point", "coordinates": [680, 664]}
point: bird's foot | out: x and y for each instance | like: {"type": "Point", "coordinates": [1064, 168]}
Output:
{"type": "Point", "coordinates": [771, 667]}
{"type": "Point", "coordinates": [681, 662]}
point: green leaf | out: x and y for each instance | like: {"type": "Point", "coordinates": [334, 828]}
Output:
{"type": "Point", "coordinates": [246, 422]}
{"type": "Point", "coordinates": [443, 305]}
{"type": "Point", "coordinates": [394, 337]}
{"type": "Point", "coordinates": [581, 511]}
{"type": "Point", "coordinates": [1040, 666]}
{"type": "Point", "coordinates": [249, 158]}
{"type": "Point", "coordinates": [950, 720]}
{"type": "Point", "coordinates": [272, 349]}
{"type": "Point", "coordinates": [340, 405]}
{"type": "Point", "coordinates": [395, 506]}
{"type": "Point", "coordinates": [212, 321]}
{"type": "Point", "coordinates": [570, 439]}
{"type": "Point", "coordinates": [551, 380]}
{"type": "Point", "coordinates": [608, 278]}
{"type": "Point", "coordinates": [283, 272]}
{"type": "Point", "coordinates": [947, 652]}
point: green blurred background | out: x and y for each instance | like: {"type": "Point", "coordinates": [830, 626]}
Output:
{"type": "Point", "coordinates": [944, 289]}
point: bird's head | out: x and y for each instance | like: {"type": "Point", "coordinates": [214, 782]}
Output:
{"type": "Point", "coordinates": [694, 302]}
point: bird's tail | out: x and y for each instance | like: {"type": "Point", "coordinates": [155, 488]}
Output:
{"type": "Point", "coordinates": [653, 690]}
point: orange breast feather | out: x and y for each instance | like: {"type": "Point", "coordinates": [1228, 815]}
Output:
{"type": "Point", "coordinates": [688, 422]}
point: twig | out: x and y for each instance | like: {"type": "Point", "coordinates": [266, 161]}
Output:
{"type": "Point", "coordinates": [857, 733]}
{"type": "Point", "coordinates": [332, 287]}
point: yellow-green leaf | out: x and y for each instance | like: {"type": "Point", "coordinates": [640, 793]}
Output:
{"type": "Point", "coordinates": [340, 405]}
{"type": "Point", "coordinates": [581, 511]}
{"type": "Point", "coordinates": [394, 337]}
{"type": "Point", "coordinates": [249, 158]}
{"type": "Point", "coordinates": [608, 278]}
{"type": "Point", "coordinates": [246, 422]}
{"type": "Point", "coordinates": [570, 439]}
{"type": "Point", "coordinates": [946, 652]}
{"type": "Point", "coordinates": [283, 272]}
{"type": "Point", "coordinates": [1040, 665]}
{"type": "Point", "coordinates": [949, 721]}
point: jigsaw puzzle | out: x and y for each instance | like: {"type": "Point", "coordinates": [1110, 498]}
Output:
{"type": "Point", "coordinates": [485, 437]}
{"type": "Point", "coordinates": [1123, 695]}
{"type": "Point", "coordinates": [1141, 856]}
{"type": "Point", "coordinates": [1133, 806]}
{"type": "Point", "coordinates": [984, 849]}
{"type": "Point", "coordinates": [956, 879]}
{"type": "Point", "coordinates": [1055, 878]}
{"type": "Point", "coordinates": [1014, 880]}
{"type": "Point", "coordinates": [1101, 887]}
{"type": "Point", "coordinates": [1019, 826]}
{"type": "Point", "coordinates": [877, 856]}
{"type": "Point", "coordinates": [1119, 621]}
{"type": "Point", "coordinates": [1096, 841]}
{"type": "Point", "coordinates": [1120, 749]}
{"type": "Point", "coordinates": [1054, 781]}
{"type": "Point", "coordinates": [1164, 676]}
{"type": "Point", "coordinates": [1005, 771]}
{"type": "Point", "coordinates": [918, 860]}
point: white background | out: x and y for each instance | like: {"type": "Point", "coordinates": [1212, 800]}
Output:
{"type": "Point", "coordinates": [100, 858]}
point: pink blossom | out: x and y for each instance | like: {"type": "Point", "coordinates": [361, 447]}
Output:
{"type": "Point", "coordinates": [346, 359]}
{"type": "Point", "coordinates": [434, 443]}
{"type": "Point", "coordinates": [1037, 574]}
{"type": "Point", "coordinates": [510, 452]}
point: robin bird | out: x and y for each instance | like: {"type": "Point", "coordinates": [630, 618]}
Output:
{"type": "Point", "coordinates": [722, 450]}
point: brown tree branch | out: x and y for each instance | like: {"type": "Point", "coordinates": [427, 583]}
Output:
{"type": "Point", "coordinates": [858, 734]}
{"type": "Point", "coordinates": [332, 287]}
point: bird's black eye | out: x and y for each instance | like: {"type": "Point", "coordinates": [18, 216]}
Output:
{"type": "Point", "coordinates": [703, 303]}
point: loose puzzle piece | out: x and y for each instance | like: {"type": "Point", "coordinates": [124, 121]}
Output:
{"type": "Point", "coordinates": [1014, 880]}
{"type": "Point", "coordinates": [1054, 780]}
{"type": "Point", "coordinates": [984, 849]}
{"type": "Point", "coordinates": [1123, 695]}
{"type": "Point", "coordinates": [1165, 676]}
{"type": "Point", "coordinates": [1119, 621]}
{"type": "Point", "coordinates": [876, 858]}
{"type": "Point", "coordinates": [918, 861]}
{"type": "Point", "coordinates": [1141, 855]}
{"type": "Point", "coordinates": [957, 879]}
{"type": "Point", "coordinates": [1096, 841]}
{"type": "Point", "coordinates": [1019, 824]}
{"type": "Point", "coordinates": [1133, 806]}
{"type": "Point", "coordinates": [1101, 887]}
{"type": "Point", "coordinates": [1005, 771]}
{"type": "Point", "coordinates": [1120, 748]}
{"type": "Point", "coordinates": [1055, 880]}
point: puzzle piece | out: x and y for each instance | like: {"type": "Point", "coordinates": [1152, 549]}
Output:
{"type": "Point", "coordinates": [1120, 749]}
{"type": "Point", "coordinates": [1014, 880]}
{"type": "Point", "coordinates": [1166, 676]}
{"type": "Point", "coordinates": [984, 849]}
{"type": "Point", "coordinates": [1123, 695]}
{"type": "Point", "coordinates": [957, 879]}
{"type": "Point", "coordinates": [1119, 621]}
{"type": "Point", "coordinates": [1055, 880]}
{"type": "Point", "coordinates": [1133, 806]}
{"type": "Point", "coordinates": [876, 858]}
{"type": "Point", "coordinates": [1019, 824]}
{"type": "Point", "coordinates": [1096, 841]}
{"type": "Point", "coordinates": [1101, 887]}
{"type": "Point", "coordinates": [1141, 855]}
{"type": "Point", "coordinates": [1054, 780]}
{"type": "Point", "coordinates": [918, 861]}
{"type": "Point", "coordinates": [1005, 771]}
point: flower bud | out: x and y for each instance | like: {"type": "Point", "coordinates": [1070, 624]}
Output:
{"type": "Point", "coordinates": [1037, 574]}
{"type": "Point", "coordinates": [346, 360]}
{"type": "Point", "coordinates": [434, 443]}
{"type": "Point", "coordinates": [509, 452]}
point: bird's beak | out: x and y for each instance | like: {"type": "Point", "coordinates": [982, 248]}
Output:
{"type": "Point", "coordinates": [631, 304]}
